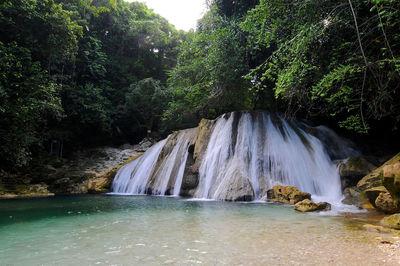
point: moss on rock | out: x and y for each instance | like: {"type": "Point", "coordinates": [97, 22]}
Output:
{"type": "Point", "coordinates": [308, 205]}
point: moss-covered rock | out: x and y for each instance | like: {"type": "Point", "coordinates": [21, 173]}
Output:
{"type": "Point", "coordinates": [25, 191]}
{"type": "Point", "coordinates": [308, 205]}
{"type": "Point", "coordinates": [287, 194]}
{"type": "Point", "coordinates": [392, 221]}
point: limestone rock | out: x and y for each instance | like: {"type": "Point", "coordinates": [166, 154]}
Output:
{"type": "Point", "coordinates": [391, 178]}
{"type": "Point", "coordinates": [392, 221]}
{"type": "Point", "coordinates": [143, 146]}
{"type": "Point", "coordinates": [352, 170]}
{"type": "Point", "coordinates": [287, 194]}
{"type": "Point", "coordinates": [380, 180]}
{"type": "Point", "coordinates": [308, 205]}
{"type": "Point", "coordinates": [373, 193]}
{"type": "Point", "coordinates": [238, 188]}
{"type": "Point", "coordinates": [197, 149]}
{"type": "Point", "coordinates": [352, 196]}
{"type": "Point", "coordinates": [384, 203]}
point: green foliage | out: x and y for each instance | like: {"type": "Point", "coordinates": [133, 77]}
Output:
{"type": "Point", "coordinates": [315, 65]}
{"type": "Point", "coordinates": [146, 101]}
{"type": "Point", "coordinates": [207, 80]}
{"type": "Point", "coordinates": [28, 99]}
{"type": "Point", "coordinates": [67, 70]}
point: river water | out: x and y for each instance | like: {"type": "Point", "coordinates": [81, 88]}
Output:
{"type": "Point", "coordinates": [144, 230]}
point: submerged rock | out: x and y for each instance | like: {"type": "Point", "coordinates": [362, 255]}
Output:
{"type": "Point", "coordinates": [392, 221]}
{"type": "Point", "coordinates": [287, 194]}
{"type": "Point", "coordinates": [308, 205]}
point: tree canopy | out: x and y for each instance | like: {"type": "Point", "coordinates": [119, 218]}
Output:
{"type": "Point", "coordinates": [105, 71]}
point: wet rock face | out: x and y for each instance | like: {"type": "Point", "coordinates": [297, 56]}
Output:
{"type": "Point", "coordinates": [352, 196]}
{"type": "Point", "coordinates": [197, 149]}
{"type": "Point", "coordinates": [237, 189]}
{"type": "Point", "coordinates": [308, 205]}
{"type": "Point", "coordinates": [354, 169]}
{"type": "Point", "coordinates": [287, 194]}
{"type": "Point", "coordinates": [190, 179]}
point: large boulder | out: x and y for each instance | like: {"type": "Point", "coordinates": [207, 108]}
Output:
{"type": "Point", "coordinates": [392, 221]}
{"type": "Point", "coordinates": [385, 179]}
{"type": "Point", "coordinates": [236, 188]}
{"type": "Point", "coordinates": [353, 169]}
{"type": "Point", "coordinates": [385, 203]}
{"type": "Point", "coordinates": [391, 178]}
{"type": "Point", "coordinates": [308, 205]}
{"type": "Point", "coordinates": [372, 194]}
{"type": "Point", "coordinates": [287, 194]}
{"type": "Point", "coordinates": [353, 196]}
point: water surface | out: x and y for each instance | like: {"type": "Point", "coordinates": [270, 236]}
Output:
{"type": "Point", "coordinates": [143, 230]}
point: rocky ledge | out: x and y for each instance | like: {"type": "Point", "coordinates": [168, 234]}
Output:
{"type": "Point", "coordinates": [379, 189]}
{"type": "Point", "coordinates": [86, 171]}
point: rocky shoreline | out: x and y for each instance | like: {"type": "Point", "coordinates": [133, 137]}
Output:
{"type": "Point", "coordinates": [88, 171]}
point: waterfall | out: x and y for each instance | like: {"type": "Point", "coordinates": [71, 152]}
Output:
{"type": "Point", "coordinates": [155, 170]}
{"type": "Point", "coordinates": [133, 177]}
{"type": "Point", "coordinates": [244, 155]}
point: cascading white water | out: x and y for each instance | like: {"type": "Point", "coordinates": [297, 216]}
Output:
{"type": "Point", "coordinates": [148, 174]}
{"type": "Point", "coordinates": [170, 172]}
{"type": "Point", "coordinates": [133, 177]}
{"type": "Point", "coordinates": [266, 153]}
{"type": "Point", "coordinates": [262, 149]}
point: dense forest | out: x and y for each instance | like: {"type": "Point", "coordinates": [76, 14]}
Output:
{"type": "Point", "coordinates": [94, 72]}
